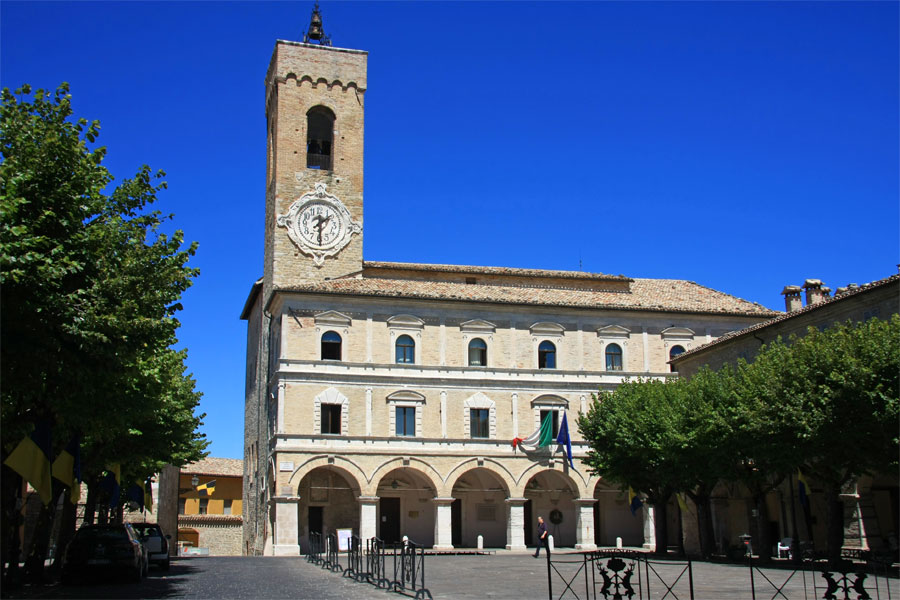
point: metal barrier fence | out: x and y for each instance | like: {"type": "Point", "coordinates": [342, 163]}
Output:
{"type": "Point", "coordinates": [409, 569]}
{"type": "Point", "coordinates": [816, 580]}
{"type": "Point", "coordinates": [315, 548]}
{"type": "Point", "coordinates": [408, 561]}
{"type": "Point", "coordinates": [616, 574]}
{"type": "Point", "coordinates": [375, 572]}
{"type": "Point", "coordinates": [332, 556]}
{"type": "Point", "coordinates": [355, 566]}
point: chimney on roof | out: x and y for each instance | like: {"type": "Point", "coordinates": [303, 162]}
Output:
{"type": "Point", "coordinates": [792, 299]}
{"type": "Point", "coordinates": [815, 293]}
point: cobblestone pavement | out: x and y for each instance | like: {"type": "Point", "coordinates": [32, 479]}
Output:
{"type": "Point", "coordinates": [498, 576]}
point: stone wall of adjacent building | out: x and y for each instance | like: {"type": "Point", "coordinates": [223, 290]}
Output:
{"type": "Point", "coordinates": [223, 538]}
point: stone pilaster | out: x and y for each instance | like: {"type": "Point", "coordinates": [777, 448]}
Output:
{"type": "Point", "coordinates": [515, 524]}
{"type": "Point", "coordinates": [443, 524]}
{"type": "Point", "coordinates": [584, 524]}
{"type": "Point", "coordinates": [286, 542]}
{"type": "Point", "coordinates": [649, 528]}
{"type": "Point", "coordinates": [368, 517]}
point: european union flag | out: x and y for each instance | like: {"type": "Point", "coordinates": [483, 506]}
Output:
{"type": "Point", "coordinates": [564, 439]}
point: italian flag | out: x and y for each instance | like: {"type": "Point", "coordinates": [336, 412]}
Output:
{"type": "Point", "coordinates": [542, 437]}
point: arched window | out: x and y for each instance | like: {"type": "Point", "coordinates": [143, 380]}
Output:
{"type": "Point", "coordinates": [406, 350]}
{"type": "Point", "coordinates": [546, 355]}
{"type": "Point", "coordinates": [613, 357]}
{"type": "Point", "coordinates": [675, 351]}
{"type": "Point", "coordinates": [331, 346]}
{"type": "Point", "coordinates": [477, 353]}
{"type": "Point", "coordinates": [319, 138]}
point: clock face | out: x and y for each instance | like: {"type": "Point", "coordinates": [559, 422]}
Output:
{"type": "Point", "coordinates": [319, 224]}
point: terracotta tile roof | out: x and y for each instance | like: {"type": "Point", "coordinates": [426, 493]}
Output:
{"type": "Point", "coordinates": [476, 270]}
{"type": "Point", "coordinates": [785, 316]}
{"type": "Point", "coordinates": [207, 519]}
{"type": "Point", "coordinates": [215, 466]}
{"type": "Point", "coordinates": [660, 295]}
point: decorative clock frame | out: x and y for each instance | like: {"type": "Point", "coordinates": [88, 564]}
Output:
{"type": "Point", "coordinates": [292, 222]}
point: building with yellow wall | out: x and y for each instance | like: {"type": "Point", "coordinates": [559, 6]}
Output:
{"type": "Point", "coordinates": [213, 520]}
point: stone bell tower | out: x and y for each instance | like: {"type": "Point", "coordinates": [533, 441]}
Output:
{"type": "Point", "coordinates": [315, 99]}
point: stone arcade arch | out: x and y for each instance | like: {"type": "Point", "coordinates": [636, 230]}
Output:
{"type": "Point", "coordinates": [479, 508]}
{"type": "Point", "coordinates": [406, 505]}
{"type": "Point", "coordinates": [552, 494]}
{"type": "Point", "coordinates": [327, 501]}
{"type": "Point", "coordinates": [613, 518]}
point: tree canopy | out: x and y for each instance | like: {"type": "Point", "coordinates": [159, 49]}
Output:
{"type": "Point", "coordinates": [91, 288]}
{"type": "Point", "coordinates": [758, 422]}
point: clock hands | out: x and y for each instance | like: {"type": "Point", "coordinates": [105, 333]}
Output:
{"type": "Point", "coordinates": [320, 221]}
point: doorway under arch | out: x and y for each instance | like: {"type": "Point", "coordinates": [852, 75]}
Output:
{"type": "Point", "coordinates": [328, 501]}
{"type": "Point", "coordinates": [551, 495]}
{"type": "Point", "coordinates": [406, 507]}
{"type": "Point", "coordinates": [479, 508]}
{"type": "Point", "coordinates": [613, 518]}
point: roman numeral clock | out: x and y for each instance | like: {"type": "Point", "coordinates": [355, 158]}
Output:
{"type": "Point", "coordinates": [319, 224]}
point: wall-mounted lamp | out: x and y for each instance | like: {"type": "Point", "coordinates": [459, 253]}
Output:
{"type": "Point", "coordinates": [195, 481]}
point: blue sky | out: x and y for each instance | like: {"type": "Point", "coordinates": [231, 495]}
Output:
{"type": "Point", "coordinates": [744, 146]}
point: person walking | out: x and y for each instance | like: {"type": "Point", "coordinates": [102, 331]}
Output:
{"type": "Point", "coordinates": [542, 538]}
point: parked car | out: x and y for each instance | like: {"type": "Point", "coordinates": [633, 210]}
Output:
{"type": "Point", "coordinates": [155, 543]}
{"type": "Point", "coordinates": [105, 550]}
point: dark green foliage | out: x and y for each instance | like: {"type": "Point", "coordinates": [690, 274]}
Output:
{"type": "Point", "coordinates": [826, 402]}
{"type": "Point", "coordinates": [90, 289]}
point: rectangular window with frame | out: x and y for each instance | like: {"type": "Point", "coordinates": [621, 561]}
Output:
{"type": "Point", "coordinates": [226, 509]}
{"type": "Point", "coordinates": [204, 506]}
{"type": "Point", "coordinates": [479, 423]}
{"type": "Point", "coordinates": [331, 419]}
{"type": "Point", "coordinates": [406, 421]}
{"type": "Point", "coordinates": [553, 415]}
{"type": "Point", "coordinates": [182, 503]}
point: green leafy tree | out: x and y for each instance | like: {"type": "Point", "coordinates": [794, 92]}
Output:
{"type": "Point", "coordinates": [838, 391]}
{"type": "Point", "coordinates": [91, 286]}
{"type": "Point", "coordinates": [634, 434]}
{"type": "Point", "coordinates": [707, 452]}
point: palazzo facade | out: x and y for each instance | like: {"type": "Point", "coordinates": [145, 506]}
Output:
{"type": "Point", "coordinates": [383, 397]}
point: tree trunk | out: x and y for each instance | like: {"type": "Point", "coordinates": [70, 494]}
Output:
{"type": "Point", "coordinates": [763, 544]}
{"type": "Point", "coordinates": [12, 520]}
{"type": "Point", "coordinates": [34, 564]}
{"type": "Point", "coordinates": [705, 524]}
{"type": "Point", "coordinates": [66, 533]}
{"type": "Point", "coordinates": [90, 505]}
{"type": "Point", "coordinates": [834, 523]}
{"type": "Point", "coordinates": [661, 526]}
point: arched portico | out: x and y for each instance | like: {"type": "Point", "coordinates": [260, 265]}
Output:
{"type": "Point", "coordinates": [552, 494]}
{"type": "Point", "coordinates": [405, 505]}
{"type": "Point", "coordinates": [479, 508]}
{"type": "Point", "coordinates": [327, 501]}
{"type": "Point", "coordinates": [613, 518]}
